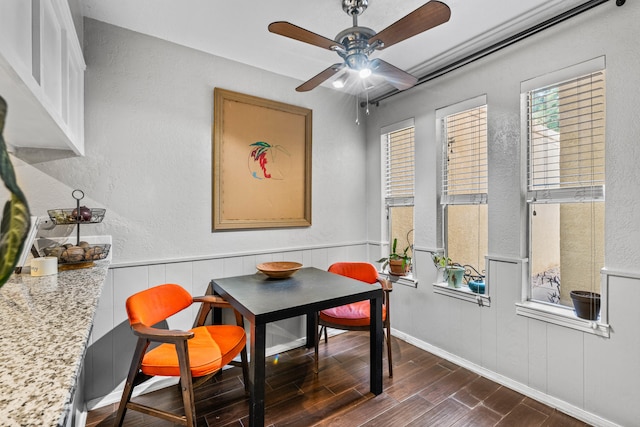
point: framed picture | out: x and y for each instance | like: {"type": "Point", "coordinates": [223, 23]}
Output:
{"type": "Point", "coordinates": [261, 163]}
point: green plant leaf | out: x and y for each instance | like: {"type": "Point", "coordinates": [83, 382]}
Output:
{"type": "Point", "coordinates": [15, 217]}
{"type": "Point", "coordinates": [13, 230]}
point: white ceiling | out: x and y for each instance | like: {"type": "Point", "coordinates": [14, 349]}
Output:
{"type": "Point", "coordinates": [237, 30]}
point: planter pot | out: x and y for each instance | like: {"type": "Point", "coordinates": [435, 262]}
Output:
{"type": "Point", "coordinates": [397, 269]}
{"type": "Point", "coordinates": [476, 286]}
{"type": "Point", "coordinates": [454, 276]}
{"type": "Point", "coordinates": [587, 304]}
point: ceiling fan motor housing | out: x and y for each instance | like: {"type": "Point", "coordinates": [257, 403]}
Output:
{"type": "Point", "coordinates": [355, 41]}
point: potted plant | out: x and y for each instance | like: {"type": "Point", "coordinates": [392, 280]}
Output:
{"type": "Point", "coordinates": [15, 218]}
{"type": "Point", "coordinates": [586, 303]}
{"type": "Point", "coordinates": [440, 261]}
{"type": "Point", "coordinates": [399, 264]}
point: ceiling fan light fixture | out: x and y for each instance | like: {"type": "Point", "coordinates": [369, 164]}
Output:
{"type": "Point", "coordinates": [338, 83]}
{"type": "Point", "coordinates": [364, 72]}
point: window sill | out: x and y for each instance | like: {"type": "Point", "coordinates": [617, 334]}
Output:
{"type": "Point", "coordinates": [561, 316]}
{"type": "Point", "coordinates": [463, 293]}
{"type": "Point", "coordinates": [407, 280]}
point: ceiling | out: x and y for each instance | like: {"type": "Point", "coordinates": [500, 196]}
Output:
{"type": "Point", "coordinates": [237, 30]}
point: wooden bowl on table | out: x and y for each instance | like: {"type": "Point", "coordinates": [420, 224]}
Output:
{"type": "Point", "coordinates": [279, 269]}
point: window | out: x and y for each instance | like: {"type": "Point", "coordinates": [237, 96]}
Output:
{"type": "Point", "coordinates": [463, 132]}
{"type": "Point", "coordinates": [565, 184]}
{"type": "Point", "coordinates": [398, 163]}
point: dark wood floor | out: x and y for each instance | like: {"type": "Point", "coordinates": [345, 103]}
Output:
{"type": "Point", "coordinates": [425, 391]}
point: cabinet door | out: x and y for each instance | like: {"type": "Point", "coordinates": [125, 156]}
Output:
{"type": "Point", "coordinates": [41, 75]}
{"type": "Point", "coordinates": [15, 34]}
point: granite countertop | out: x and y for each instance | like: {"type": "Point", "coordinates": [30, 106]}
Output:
{"type": "Point", "coordinates": [46, 324]}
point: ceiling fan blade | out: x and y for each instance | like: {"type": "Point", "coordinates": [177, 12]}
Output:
{"type": "Point", "coordinates": [298, 33]}
{"type": "Point", "coordinates": [398, 78]}
{"type": "Point", "coordinates": [423, 18]}
{"type": "Point", "coordinates": [320, 78]}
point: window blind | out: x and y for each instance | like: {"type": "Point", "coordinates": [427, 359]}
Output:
{"type": "Point", "coordinates": [464, 158]}
{"type": "Point", "coordinates": [566, 130]}
{"type": "Point", "coordinates": [400, 167]}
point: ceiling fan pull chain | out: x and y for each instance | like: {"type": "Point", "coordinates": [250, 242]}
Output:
{"type": "Point", "coordinates": [357, 112]}
{"type": "Point", "coordinates": [367, 92]}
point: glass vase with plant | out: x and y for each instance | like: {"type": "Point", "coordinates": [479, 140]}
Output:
{"type": "Point", "coordinates": [452, 273]}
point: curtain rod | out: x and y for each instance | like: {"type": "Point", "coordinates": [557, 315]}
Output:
{"type": "Point", "coordinates": [499, 45]}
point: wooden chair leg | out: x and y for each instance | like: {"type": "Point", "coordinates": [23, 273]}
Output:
{"type": "Point", "coordinates": [243, 354]}
{"type": "Point", "coordinates": [389, 352]}
{"type": "Point", "coordinates": [186, 384]}
{"type": "Point", "coordinates": [136, 361]}
{"type": "Point", "coordinates": [316, 341]}
{"type": "Point", "coordinates": [387, 326]}
{"type": "Point", "coordinates": [245, 370]}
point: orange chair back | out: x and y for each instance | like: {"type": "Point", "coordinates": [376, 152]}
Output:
{"type": "Point", "coordinates": [362, 271]}
{"type": "Point", "coordinates": [156, 304]}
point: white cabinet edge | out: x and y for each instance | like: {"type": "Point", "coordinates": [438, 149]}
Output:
{"type": "Point", "coordinates": [33, 120]}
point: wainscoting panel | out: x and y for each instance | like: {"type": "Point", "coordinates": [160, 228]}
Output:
{"type": "Point", "coordinates": [565, 364]}
{"type": "Point", "coordinates": [611, 366]}
{"type": "Point", "coordinates": [537, 355]}
{"type": "Point", "coordinates": [511, 339]}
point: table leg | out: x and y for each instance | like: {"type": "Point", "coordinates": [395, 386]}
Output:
{"type": "Point", "coordinates": [312, 330]}
{"type": "Point", "coordinates": [375, 345]}
{"type": "Point", "coordinates": [257, 375]}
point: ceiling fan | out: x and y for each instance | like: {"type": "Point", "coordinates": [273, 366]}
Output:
{"type": "Point", "coordinates": [355, 44]}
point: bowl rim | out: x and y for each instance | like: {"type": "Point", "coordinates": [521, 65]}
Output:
{"type": "Point", "coordinates": [278, 266]}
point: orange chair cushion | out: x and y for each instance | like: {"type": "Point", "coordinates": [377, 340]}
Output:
{"type": "Point", "coordinates": [354, 314]}
{"type": "Point", "coordinates": [211, 348]}
{"type": "Point", "coordinates": [155, 304]}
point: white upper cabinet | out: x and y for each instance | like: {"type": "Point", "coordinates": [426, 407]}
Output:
{"type": "Point", "coordinates": [41, 75]}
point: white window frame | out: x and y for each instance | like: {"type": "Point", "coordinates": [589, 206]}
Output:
{"type": "Point", "coordinates": [555, 313]}
{"type": "Point", "coordinates": [408, 200]}
{"type": "Point", "coordinates": [439, 287]}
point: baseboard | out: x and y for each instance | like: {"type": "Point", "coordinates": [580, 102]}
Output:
{"type": "Point", "coordinates": [551, 401]}
{"type": "Point", "coordinates": [153, 384]}
{"type": "Point", "coordinates": [81, 418]}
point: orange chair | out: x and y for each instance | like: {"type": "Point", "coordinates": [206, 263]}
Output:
{"type": "Point", "coordinates": [197, 353]}
{"type": "Point", "coordinates": [355, 316]}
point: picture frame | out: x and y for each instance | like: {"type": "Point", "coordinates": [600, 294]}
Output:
{"type": "Point", "coordinates": [261, 163]}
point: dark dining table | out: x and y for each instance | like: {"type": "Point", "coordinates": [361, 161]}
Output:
{"type": "Point", "coordinates": [262, 300]}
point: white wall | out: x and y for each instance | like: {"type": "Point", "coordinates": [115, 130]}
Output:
{"type": "Point", "coordinates": [590, 376]}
